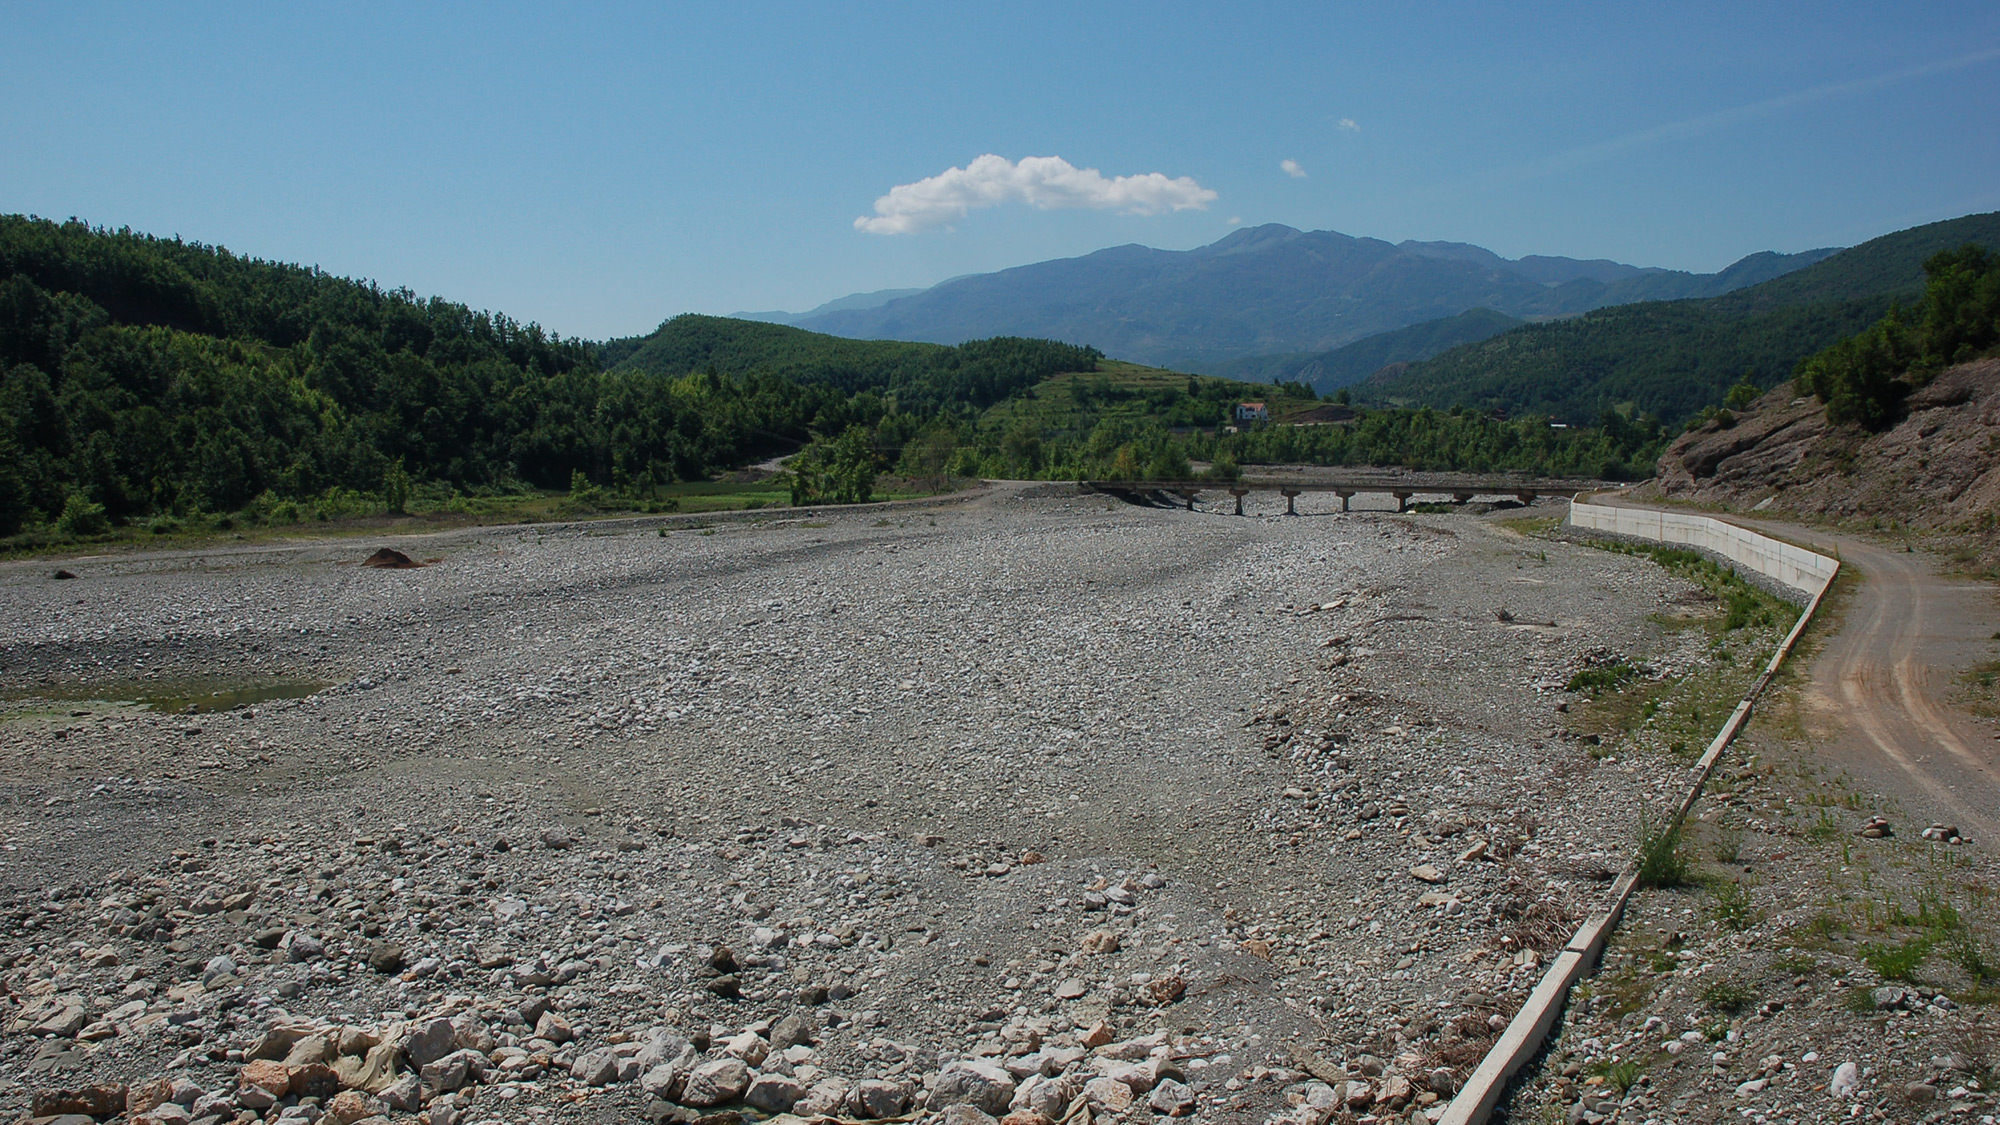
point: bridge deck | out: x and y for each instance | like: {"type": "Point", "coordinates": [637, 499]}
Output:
{"type": "Point", "coordinates": [1452, 483]}
{"type": "Point", "coordinates": [1461, 487]}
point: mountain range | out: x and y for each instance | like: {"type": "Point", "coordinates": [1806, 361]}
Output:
{"type": "Point", "coordinates": [1266, 290]}
{"type": "Point", "coordinates": [1672, 358]}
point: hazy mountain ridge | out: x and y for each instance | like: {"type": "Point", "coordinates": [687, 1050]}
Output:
{"type": "Point", "coordinates": [1266, 290]}
{"type": "Point", "coordinates": [871, 300]}
{"type": "Point", "coordinates": [1350, 364]}
{"type": "Point", "coordinates": [1672, 358]}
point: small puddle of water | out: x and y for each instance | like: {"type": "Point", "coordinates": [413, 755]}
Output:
{"type": "Point", "coordinates": [177, 697]}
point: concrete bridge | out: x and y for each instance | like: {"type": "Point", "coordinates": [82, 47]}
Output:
{"type": "Point", "coordinates": [1460, 488]}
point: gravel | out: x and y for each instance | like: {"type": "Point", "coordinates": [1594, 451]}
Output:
{"type": "Point", "coordinates": [1004, 808]}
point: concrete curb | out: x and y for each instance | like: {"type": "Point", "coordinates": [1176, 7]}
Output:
{"type": "Point", "coordinates": [1529, 1029]}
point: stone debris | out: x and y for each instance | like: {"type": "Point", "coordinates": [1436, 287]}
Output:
{"type": "Point", "coordinates": [818, 818]}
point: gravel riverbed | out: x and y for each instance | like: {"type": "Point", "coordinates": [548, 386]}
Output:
{"type": "Point", "coordinates": [1038, 806]}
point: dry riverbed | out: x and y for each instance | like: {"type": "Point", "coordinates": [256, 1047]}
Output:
{"type": "Point", "coordinates": [1038, 806]}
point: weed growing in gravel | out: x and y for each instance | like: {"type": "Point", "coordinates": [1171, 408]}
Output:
{"type": "Point", "coordinates": [1795, 965]}
{"type": "Point", "coordinates": [1727, 846]}
{"type": "Point", "coordinates": [1728, 996]}
{"type": "Point", "coordinates": [1970, 954]}
{"type": "Point", "coordinates": [1662, 860]}
{"type": "Point", "coordinates": [1896, 960]}
{"type": "Point", "coordinates": [1731, 907]}
{"type": "Point", "coordinates": [1594, 680]}
{"type": "Point", "coordinates": [1624, 1074]}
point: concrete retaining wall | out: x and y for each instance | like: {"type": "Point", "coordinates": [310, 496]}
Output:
{"type": "Point", "coordinates": [1800, 569]}
{"type": "Point", "coordinates": [1794, 566]}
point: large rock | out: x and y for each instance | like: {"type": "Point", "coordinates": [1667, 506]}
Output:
{"type": "Point", "coordinates": [877, 1098]}
{"type": "Point", "coordinates": [792, 1031]}
{"type": "Point", "coordinates": [826, 1098]}
{"type": "Point", "coordinates": [975, 1083]}
{"type": "Point", "coordinates": [350, 1106]}
{"type": "Point", "coordinates": [716, 1082]}
{"type": "Point", "coordinates": [456, 1069]}
{"type": "Point", "coordinates": [371, 1072]}
{"type": "Point", "coordinates": [265, 1074]}
{"type": "Point", "coordinates": [1174, 1099]}
{"type": "Point", "coordinates": [94, 1101]}
{"type": "Point", "coordinates": [775, 1093]}
{"type": "Point", "coordinates": [596, 1068]}
{"type": "Point", "coordinates": [430, 1041]}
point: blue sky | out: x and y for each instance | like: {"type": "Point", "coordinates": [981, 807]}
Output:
{"type": "Point", "coordinates": [598, 168]}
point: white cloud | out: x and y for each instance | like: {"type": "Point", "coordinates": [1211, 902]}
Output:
{"type": "Point", "coordinates": [1292, 169]}
{"type": "Point", "coordinates": [1235, 220]}
{"type": "Point", "coordinates": [1347, 125]}
{"type": "Point", "coordinates": [1044, 182]}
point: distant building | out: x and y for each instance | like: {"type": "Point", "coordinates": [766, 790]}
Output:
{"type": "Point", "coordinates": [1252, 412]}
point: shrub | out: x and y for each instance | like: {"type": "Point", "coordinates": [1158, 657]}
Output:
{"type": "Point", "coordinates": [1897, 960]}
{"type": "Point", "coordinates": [81, 518]}
{"type": "Point", "coordinates": [1662, 861]}
{"type": "Point", "coordinates": [1727, 996]}
{"type": "Point", "coordinates": [1731, 908]}
{"type": "Point", "coordinates": [1594, 680]}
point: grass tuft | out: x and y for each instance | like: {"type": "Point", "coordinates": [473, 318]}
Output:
{"type": "Point", "coordinates": [1662, 860]}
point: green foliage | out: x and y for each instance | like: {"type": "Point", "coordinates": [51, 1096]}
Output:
{"type": "Point", "coordinates": [1729, 996]}
{"type": "Point", "coordinates": [1864, 378]}
{"type": "Point", "coordinates": [1743, 394]}
{"type": "Point", "coordinates": [1672, 358]}
{"type": "Point", "coordinates": [840, 471]}
{"type": "Point", "coordinates": [157, 376]}
{"type": "Point", "coordinates": [396, 488]}
{"type": "Point", "coordinates": [1624, 1074]}
{"type": "Point", "coordinates": [1731, 907]}
{"type": "Point", "coordinates": [1896, 960]}
{"type": "Point", "coordinates": [1594, 680]}
{"type": "Point", "coordinates": [1662, 860]}
{"type": "Point", "coordinates": [82, 518]}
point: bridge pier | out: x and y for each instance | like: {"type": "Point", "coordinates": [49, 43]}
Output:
{"type": "Point", "coordinates": [1187, 496]}
{"type": "Point", "coordinates": [1291, 500]}
{"type": "Point", "coordinates": [1527, 499]}
{"type": "Point", "coordinates": [1345, 495]}
{"type": "Point", "coordinates": [1461, 497]}
{"type": "Point", "coordinates": [1239, 493]}
{"type": "Point", "coordinates": [1402, 500]}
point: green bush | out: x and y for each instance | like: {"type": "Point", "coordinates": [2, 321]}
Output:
{"type": "Point", "coordinates": [1896, 960]}
{"type": "Point", "coordinates": [1727, 996]}
{"type": "Point", "coordinates": [80, 518]}
{"type": "Point", "coordinates": [1662, 861]}
{"type": "Point", "coordinates": [1864, 378]}
{"type": "Point", "coordinates": [1594, 680]}
{"type": "Point", "coordinates": [840, 471]}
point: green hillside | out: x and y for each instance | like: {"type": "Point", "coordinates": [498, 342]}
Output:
{"type": "Point", "coordinates": [919, 377]}
{"type": "Point", "coordinates": [143, 377]}
{"type": "Point", "coordinates": [1672, 358]}
{"type": "Point", "coordinates": [1345, 366]}
{"type": "Point", "coordinates": [149, 382]}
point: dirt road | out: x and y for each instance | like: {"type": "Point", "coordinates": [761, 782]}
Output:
{"type": "Point", "coordinates": [1881, 697]}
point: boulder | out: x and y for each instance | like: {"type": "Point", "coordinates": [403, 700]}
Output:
{"type": "Point", "coordinates": [774, 1093]}
{"type": "Point", "coordinates": [975, 1083]}
{"type": "Point", "coordinates": [716, 1082]}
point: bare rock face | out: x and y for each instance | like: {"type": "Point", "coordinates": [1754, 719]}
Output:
{"type": "Point", "coordinates": [1937, 469]}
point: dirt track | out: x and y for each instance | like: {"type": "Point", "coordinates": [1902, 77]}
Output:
{"type": "Point", "coordinates": [1880, 691]}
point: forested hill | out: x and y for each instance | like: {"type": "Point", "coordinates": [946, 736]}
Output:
{"type": "Point", "coordinates": [144, 375]}
{"type": "Point", "coordinates": [1672, 358]}
{"type": "Point", "coordinates": [1345, 366]}
{"type": "Point", "coordinates": [922, 377]}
